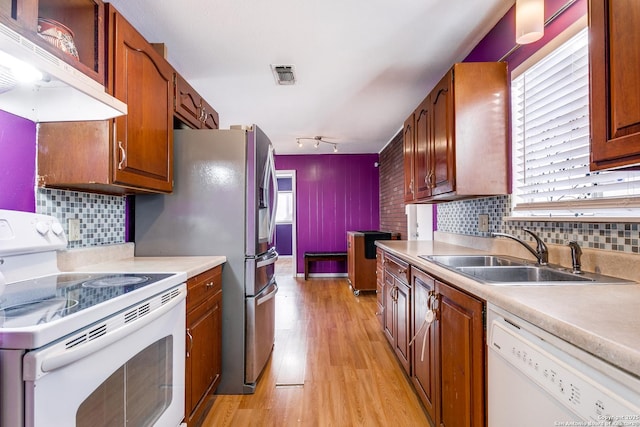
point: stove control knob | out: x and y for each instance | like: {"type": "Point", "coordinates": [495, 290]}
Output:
{"type": "Point", "coordinates": [57, 228]}
{"type": "Point", "coordinates": [42, 228]}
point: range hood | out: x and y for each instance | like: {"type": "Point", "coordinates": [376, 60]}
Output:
{"type": "Point", "coordinates": [64, 94]}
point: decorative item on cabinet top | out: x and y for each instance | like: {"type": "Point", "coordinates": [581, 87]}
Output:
{"type": "Point", "coordinates": [58, 35]}
{"type": "Point", "coordinates": [65, 94]}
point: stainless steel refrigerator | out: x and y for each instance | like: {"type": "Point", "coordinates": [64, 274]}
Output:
{"type": "Point", "coordinates": [223, 203]}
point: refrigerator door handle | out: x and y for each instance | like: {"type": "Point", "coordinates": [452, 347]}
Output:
{"type": "Point", "coordinates": [270, 294]}
{"type": "Point", "coordinates": [274, 179]}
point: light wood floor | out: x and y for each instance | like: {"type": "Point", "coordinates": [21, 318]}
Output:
{"type": "Point", "coordinates": [331, 365]}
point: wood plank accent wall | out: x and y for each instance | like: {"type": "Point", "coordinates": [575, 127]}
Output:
{"type": "Point", "coordinates": [392, 216]}
{"type": "Point", "coordinates": [335, 193]}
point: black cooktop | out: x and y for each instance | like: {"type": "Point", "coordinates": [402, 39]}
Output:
{"type": "Point", "coordinates": [48, 298]}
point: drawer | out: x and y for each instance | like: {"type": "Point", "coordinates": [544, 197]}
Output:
{"type": "Point", "coordinates": [397, 268]}
{"type": "Point", "coordinates": [203, 286]}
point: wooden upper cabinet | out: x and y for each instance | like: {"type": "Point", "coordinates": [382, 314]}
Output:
{"type": "Point", "coordinates": [461, 135]}
{"type": "Point", "coordinates": [138, 75]}
{"type": "Point", "coordinates": [191, 108]}
{"type": "Point", "coordinates": [127, 155]}
{"type": "Point", "coordinates": [408, 146]}
{"type": "Point", "coordinates": [614, 60]}
{"type": "Point", "coordinates": [442, 167]}
{"type": "Point", "coordinates": [423, 149]}
{"type": "Point", "coordinates": [85, 19]}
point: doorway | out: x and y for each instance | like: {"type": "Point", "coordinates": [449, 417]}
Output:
{"type": "Point", "coordinates": [286, 219]}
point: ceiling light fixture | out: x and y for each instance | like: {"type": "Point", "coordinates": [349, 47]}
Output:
{"type": "Point", "coordinates": [317, 140]}
{"type": "Point", "coordinates": [529, 21]}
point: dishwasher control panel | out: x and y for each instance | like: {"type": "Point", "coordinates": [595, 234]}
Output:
{"type": "Point", "coordinates": [587, 392]}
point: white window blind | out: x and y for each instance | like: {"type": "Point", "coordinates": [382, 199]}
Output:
{"type": "Point", "coordinates": [550, 103]}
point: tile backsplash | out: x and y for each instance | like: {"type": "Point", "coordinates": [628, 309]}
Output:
{"type": "Point", "coordinates": [461, 217]}
{"type": "Point", "coordinates": [102, 217]}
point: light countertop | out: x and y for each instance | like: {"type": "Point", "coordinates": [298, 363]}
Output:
{"type": "Point", "coordinates": [600, 319]}
{"type": "Point", "coordinates": [192, 265]}
{"type": "Point", "coordinates": [121, 258]}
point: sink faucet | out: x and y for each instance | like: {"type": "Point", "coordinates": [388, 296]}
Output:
{"type": "Point", "coordinates": [575, 257]}
{"type": "Point", "coordinates": [540, 252]}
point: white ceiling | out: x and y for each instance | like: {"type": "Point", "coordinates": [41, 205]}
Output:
{"type": "Point", "coordinates": [361, 65]}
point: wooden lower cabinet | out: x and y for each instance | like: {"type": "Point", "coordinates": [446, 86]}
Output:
{"type": "Point", "coordinates": [397, 308]}
{"type": "Point", "coordinates": [203, 343]}
{"type": "Point", "coordinates": [380, 285]}
{"type": "Point", "coordinates": [461, 350]}
{"type": "Point", "coordinates": [448, 354]}
{"type": "Point", "coordinates": [425, 369]}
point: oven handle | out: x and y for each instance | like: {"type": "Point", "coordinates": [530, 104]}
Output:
{"type": "Point", "coordinates": [63, 358]}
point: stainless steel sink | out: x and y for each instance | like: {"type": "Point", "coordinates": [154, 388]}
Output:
{"type": "Point", "coordinates": [523, 274]}
{"type": "Point", "coordinates": [505, 270]}
{"type": "Point", "coordinates": [474, 260]}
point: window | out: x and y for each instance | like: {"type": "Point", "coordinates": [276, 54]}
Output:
{"type": "Point", "coordinates": [284, 212]}
{"type": "Point", "coordinates": [550, 116]}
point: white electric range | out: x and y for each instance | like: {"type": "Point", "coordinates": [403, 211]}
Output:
{"type": "Point", "coordinates": [67, 338]}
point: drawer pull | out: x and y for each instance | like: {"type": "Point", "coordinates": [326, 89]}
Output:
{"type": "Point", "coordinates": [210, 285]}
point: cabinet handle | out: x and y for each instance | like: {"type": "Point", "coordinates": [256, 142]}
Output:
{"type": "Point", "coordinates": [436, 306]}
{"type": "Point", "coordinates": [190, 343]}
{"type": "Point", "coordinates": [123, 155]}
{"type": "Point", "coordinates": [210, 285]}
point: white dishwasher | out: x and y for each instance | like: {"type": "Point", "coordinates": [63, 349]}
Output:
{"type": "Point", "coordinates": [536, 379]}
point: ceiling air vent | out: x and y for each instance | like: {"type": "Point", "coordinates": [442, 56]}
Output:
{"type": "Point", "coordinates": [284, 74]}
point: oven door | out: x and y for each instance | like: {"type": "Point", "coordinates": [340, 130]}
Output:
{"type": "Point", "coordinates": [127, 370]}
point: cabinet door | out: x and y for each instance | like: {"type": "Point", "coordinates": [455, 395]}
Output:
{"type": "Point", "coordinates": [389, 308]}
{"type": "Point", "coordinates": [442, 155]}
{"type": "Point", "coordinates": [408, 147]}
{"type": "Point", "coordinates": [187, 103]}
{"type": "Point", "coordinates": [351, 259]}
{"type": "Point", "coordinates": [403, 324]}
{"type": "Point", "coordinates": [202, 325]}
{"type": "Point", "coordinates": [425, 369]}
{"type": "Point", "coordinates": [380, 285]}
{"type": "Point", "coordinates": [614, 60]}
{"type": "Point", "coordinates": [216, 355]}
{"type": "Point", "coordinates": [143, 139]}
{"type": "Point", "coordinates": [461, 354]}
{"type": "Point", "coordinates": [423, 150]}
{"type": "Point", "coordinates": [210, 119]}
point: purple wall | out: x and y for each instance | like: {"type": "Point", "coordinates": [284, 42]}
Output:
{"type": "Point", "coordinates": [335, 193]}
{"type": "Point", "coordinates": [17, 163]}
{"type": "Point", "coordinates": [284, 239]}
{"type": "Point", "coordinates": [501, 38]}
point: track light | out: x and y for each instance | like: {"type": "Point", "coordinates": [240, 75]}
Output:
{"type": "Point", "coordinates": [316, 142]}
